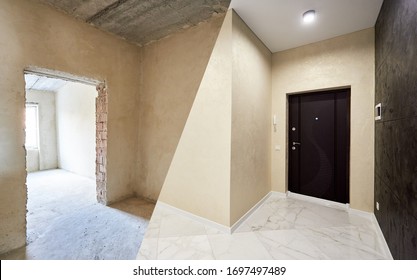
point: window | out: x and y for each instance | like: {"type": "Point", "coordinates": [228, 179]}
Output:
{"type": "Point", "coordinates": [32, 126]}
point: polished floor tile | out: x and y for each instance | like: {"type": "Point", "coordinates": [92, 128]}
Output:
{"type": "Point", "coordinates": [148, 249]}
{"type": "Point", "coordinates": [238, 246]}
{"type": "Point", "coordinates": [289, 244]}
{"type": "Point", "coordinates": [281, 228]}
{"type": "Point", "coordinates": [351, 242]}
{"type": "Point", "coordinates": [176, 225]}
{"type": "Point", "coordinates": [185, 247]}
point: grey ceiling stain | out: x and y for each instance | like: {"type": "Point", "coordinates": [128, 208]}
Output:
{"type": "Point", "coordinates": [141, 21]}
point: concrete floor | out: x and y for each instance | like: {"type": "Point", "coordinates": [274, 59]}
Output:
{"type": "Point", "coordinates": [65, 222]}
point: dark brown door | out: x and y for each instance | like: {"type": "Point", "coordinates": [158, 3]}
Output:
{"type": "Point", "coordinates": [319, 132]}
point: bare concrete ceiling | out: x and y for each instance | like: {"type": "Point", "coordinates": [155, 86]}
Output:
{"type": "Point", "coordinates": [277, 23]}
{"type": "Point", "coordinates": [141, 21]}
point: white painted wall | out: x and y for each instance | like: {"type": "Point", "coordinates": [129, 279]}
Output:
{"type": "Point", "coordinates": [46, 157]}
{"type": "Point", "coordinates": [75, 110]}
{"type": "Point", "coordinates": [32, 160]}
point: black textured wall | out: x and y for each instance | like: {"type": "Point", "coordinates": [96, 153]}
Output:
{"type": "Point", "coordinates": [396, 133]}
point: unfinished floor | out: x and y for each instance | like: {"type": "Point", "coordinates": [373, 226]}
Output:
{"type": "Point", "coordinates": [65, 222]}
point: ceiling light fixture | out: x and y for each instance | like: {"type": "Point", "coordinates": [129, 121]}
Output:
{"type": "Point", "coordinates": [309, 16]}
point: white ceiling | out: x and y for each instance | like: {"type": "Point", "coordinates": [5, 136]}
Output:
{"type": "Point", "coordinates": [278, 23]}
{"type": "Point", "coordinates": [43, 83]}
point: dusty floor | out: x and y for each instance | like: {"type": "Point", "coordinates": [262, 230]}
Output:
{"type": "Point", "coordinates": [65, 222]}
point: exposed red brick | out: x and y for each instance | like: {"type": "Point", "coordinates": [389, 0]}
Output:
{"type": "Point", "coordinates": [101, 143]}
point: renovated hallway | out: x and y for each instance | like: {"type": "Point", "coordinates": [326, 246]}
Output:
{"type": "Point", "coordinates": [64, 221]}
{"type": "Point", "coordinates": [283, 228]}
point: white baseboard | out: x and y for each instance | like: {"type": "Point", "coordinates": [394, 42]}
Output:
{"type": "Point", "coordinates": [196, 218]}
{"type": "Point", "coordinates": [250, 212]}
{"type": "Point", "coordinates": [363, 214]}
{"type": "Point", "coordinates": [215, 225]}
{"type": "Point", "coordinates": [319, 201]}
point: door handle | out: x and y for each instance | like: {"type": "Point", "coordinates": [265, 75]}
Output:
{"type": "Point", "coordinates": [296, 143]}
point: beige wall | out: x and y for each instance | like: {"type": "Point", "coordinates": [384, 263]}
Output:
{"type": "Point", "coordinates": [343, 61]}
{"type": "Point", "coordinates": [76, 128]}
{"type": "Point", "coordinates": [221, 167]}
{"type": "Point", "coordinates": [46, 156]}
{"type": "Point", "coordinates": [251, 123]}
{"type": "Point", "coordinates": [198, 180]}
{"type": "Point", "coordinates": [210, 162]}
{"type": "Point", "coordinates": [172, 71]}
{"type": "Point", "coordinates": [36, 35]}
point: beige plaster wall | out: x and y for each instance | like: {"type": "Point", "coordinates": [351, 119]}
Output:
{"type": "Point", "coordinates": [36, 35]}
{"type": "Point", "coordinates": [221, 167]}
{"type": "Point", "coordinates": [76, 128]}
{"type": "Point", "coordinates": [198, 180]}
{"type": "Point", "coordinates": [251, 123]}
{"type": "Point", "coordinates": [172, 71]}
{"type": "Point", "coordinates": [343, 61]}
{"type": "Point", "coordinates": [46, 155]}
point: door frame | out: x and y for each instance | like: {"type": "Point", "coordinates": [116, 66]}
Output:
{"type": "Point", "coordinates": [101, 124]}
{"type": "Point", "coordinates": [287, 134]}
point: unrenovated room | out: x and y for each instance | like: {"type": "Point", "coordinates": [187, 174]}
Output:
{"type": "Point", "coordinates": [208, 129]}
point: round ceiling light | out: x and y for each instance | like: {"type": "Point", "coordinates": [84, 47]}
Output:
{"type": "Point", "coordinates": [309, 16]}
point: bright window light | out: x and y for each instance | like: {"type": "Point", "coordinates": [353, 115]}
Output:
{"type": "Point", "coordinates": [32, 126]}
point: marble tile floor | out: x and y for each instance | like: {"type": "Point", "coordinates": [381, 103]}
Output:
{"type": "Point", "coordinates": [281, 228]}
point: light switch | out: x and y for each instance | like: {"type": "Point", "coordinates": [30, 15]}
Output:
{"type": "Point", "coordinates": [378, 112]}
{"type": "Point", "coordinates": [277, 148]}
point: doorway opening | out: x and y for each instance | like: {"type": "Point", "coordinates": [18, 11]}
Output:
{"type": "Point", "coordinates": [66, 147]}
{"type": "Point", "coordinates": [66, 118]}
{"type": "Point", "coordinates": [68, 216]}
{"type": "Point", "coordinates": [319, 144]}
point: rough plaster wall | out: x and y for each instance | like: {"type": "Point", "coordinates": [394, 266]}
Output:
{"type": "Point", "coordinates": [198, 180]}
{"type": "Point", "coordinates": [32, 160]}
{"type": "Point", "coordinates": [36, 35]}
{"type": "Point", "coordinates": [251, 122]}
{"type": "Point", "coordinates": [343, 61]}
{"type": "Point", "coordinates": [47, 153]}
{"type": "Point", "coordinates": [172, 72]}
{"type": "Point", "coordinates": [76, 123]}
